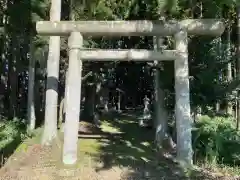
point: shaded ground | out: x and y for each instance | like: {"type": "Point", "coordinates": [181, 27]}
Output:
{"type": "Point", "coordinates": [123, 152]}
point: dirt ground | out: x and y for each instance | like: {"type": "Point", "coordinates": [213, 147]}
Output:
{"type": "Point", "coordinates": [128, 156]}
{"type": "Point", "coordinates": [43, 164]}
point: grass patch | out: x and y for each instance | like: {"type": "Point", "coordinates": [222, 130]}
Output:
{"type": "Point", "coordinates": [220, 168]}
{"type": "Point", "coordinates": [34, 138]}
{"type": "Point", "coordinates": [108, 127]}
{"type": "Point", "coordinates": [10, 130]}
{"type": "Point", "coordinates": [89, 146]}
{"type": "Point", "coordinates": [12, 133]}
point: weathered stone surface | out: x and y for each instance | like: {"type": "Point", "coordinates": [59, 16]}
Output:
{"type": "Point", "coordinates": [182, 107]}
{"type": "Point", "coordinates": [128, 55]}
{"type": "Point", "coordinates": [73, 97]}
{"type": "Point", "coordinates": [130, 28]}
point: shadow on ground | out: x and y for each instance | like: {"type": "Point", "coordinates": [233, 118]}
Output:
{"type": "Point", "coordinates": [120, 150]}
{"type": "Point", "coordinates": [134, 150]}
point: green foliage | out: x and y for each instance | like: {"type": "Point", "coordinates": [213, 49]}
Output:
{"type": "Point", "coordinates": [217, 140]}
{"type": "Point", "coordinates": [206, 70]}
{"type": "Point", "coordinates": [167, 5]}
{"type": "Point", "coordinates": [10, 131]}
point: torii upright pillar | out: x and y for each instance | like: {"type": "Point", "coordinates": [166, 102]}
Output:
{"type": "Point", "coordinates": [73, 98]}
{"type": "Point", "coordinates": [182, 99]}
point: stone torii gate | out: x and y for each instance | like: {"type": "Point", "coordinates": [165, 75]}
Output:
{"type": "Point", "coordinates": [77, 54]}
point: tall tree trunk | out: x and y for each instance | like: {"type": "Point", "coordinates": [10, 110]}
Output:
{"type": "Point", "coordinates": [160, 112]}
{"type": "Point", "coordinates": [5, 46]}
{"type": "Point", "coordinates": [162, 137]}
{"type": "Point", "coordinates": [238, 65]}
{"type": "Point", "coordinates": [220, 73]}
{"type": "Point", "coordinates": [217, 107]}
{"type": "Point", "coordinates": [50, 126]}
{"type": "Point", "coordinates": [37, 99]}
{"type": "Point", "coordinates": [90, 92]}
{"type": "Point", "coordinates": [105, 96]}
{"type": "Point", "coordinates": [229, 68]}
{"type": "Point", "coordinates": [29, 51]}
{"type": "Point", "coordinates": [72, 10]}
{"type": "Point", "coordinates": [31, 80]}
{"type": "Point", "coordinates": [13, 78]}
{"type": "Point", "coordinates": [235, 96]}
